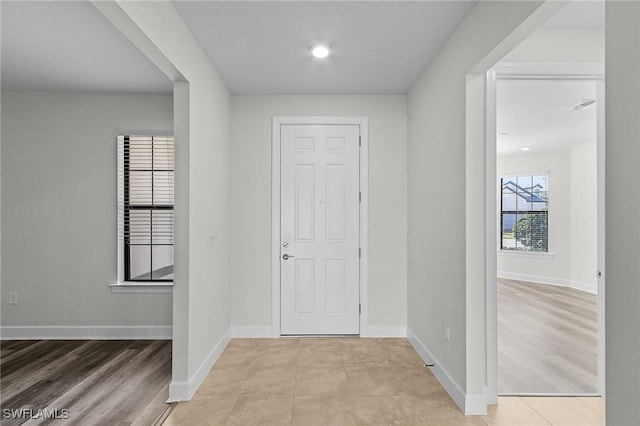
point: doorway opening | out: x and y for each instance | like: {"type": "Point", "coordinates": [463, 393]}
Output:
{"type": "Point", "coordinates": [549, 319]}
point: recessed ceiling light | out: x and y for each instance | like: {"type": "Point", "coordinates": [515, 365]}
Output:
{"type": "Point", "coordinates": [525, 148]}
{"type": "Point", "coordinates": [320, 51]}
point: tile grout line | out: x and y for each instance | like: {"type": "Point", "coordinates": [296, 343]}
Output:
{"type": "Point", "coordinates": [536, 411]}
{"type": "Point", "coordinates": [295, 384]}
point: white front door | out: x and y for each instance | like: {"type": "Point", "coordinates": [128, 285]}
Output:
{"type": "Point", "coordinates": [319, 244]}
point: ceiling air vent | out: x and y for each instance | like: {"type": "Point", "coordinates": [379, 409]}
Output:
{"type": "Point", "coordinates": [583, 104]}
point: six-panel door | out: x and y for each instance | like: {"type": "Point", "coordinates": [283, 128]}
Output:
{"type": "Point", "coordinates": [320, 229]}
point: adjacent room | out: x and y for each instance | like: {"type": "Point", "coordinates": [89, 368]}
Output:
{"type": "Point", "coordinates": [550, 180]}
{"type": "Point", "coordinates": [547, 263]}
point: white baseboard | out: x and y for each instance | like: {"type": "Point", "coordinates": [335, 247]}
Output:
{"type": "Point", "coordinates": [589, 288]}
{"type": "Point", "coordinates": [385, 331]}
{"type": "Point", "coordinates": [469, 404]}
{"type": "Point", "coordinates": [252, 331]}
{"type": "Point", "coordinates": [184, 391]}
{"type": "Point", "coordinates": [107, 332]}
{"type": "Point", "coordinates": [475, 405]}
{"type": "Point", "coordinates": [266, 331]}
{"type": "Point", "coordinates": [560, 282]}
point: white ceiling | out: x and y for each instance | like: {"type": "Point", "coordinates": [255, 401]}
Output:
{"type": "Point", "coordinates": [378, 47]}
{"type": "Point", "coordinates": [262, 47]}
{"type": "Point", "coordinates": [538, 114]}
{"type": "Point", "coordinates": [257, 47]}
{"type": "Point", "coordinates": [71, 46]}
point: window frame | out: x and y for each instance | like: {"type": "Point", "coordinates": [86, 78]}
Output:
{"type": "Point", "coordinates": [501, 213]}
{"type": "Point", "coordinates": [125, 284]}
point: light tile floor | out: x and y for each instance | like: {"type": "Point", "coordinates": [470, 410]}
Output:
{"type": "Point", "coordinates": [350, 381]}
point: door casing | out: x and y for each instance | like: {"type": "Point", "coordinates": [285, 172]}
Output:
{"type": "Point", "coordinates": [277, 122]}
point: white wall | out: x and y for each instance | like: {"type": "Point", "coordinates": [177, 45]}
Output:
{"type": "Point", "coordinates": [560, 45]}
{"type": "Point", "coordinates": [202, 122]}
{"type": "Point", "coordinates": [537, 267]}
{"type": "Point", "coordinates": [572, 256]}
{"type": "Point", "coordinates": [59, 216]}
{"type": "Point", "coordinates": [475, 241]}
{"type": "Point", "coordinates": [251, 201]}
{"type": "Point", "coordinates": [439, 292]}
{"type": "Point", "coordinates": [584, 217]}
{"type": "Point", "coordinates": [623, 212]}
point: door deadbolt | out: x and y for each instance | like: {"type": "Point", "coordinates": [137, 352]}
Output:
{"type": "Point", "coordinates": [285, 244]}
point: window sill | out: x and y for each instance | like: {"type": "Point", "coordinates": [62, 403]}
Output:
{"type": "Point", "coordinates": [528, 254]}
{"type": "Point", "coordinates": [132, 287]}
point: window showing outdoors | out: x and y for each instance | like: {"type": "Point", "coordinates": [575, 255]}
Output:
{"type": "Point", "coordinates": [524, 216]}
{"type": "Point", "coordinates": [147, 207]}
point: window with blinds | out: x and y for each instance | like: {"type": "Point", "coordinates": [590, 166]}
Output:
{"type": "Point", "coordinates": [146, 199]}
{"type": "Point", "coordinates": [524, 213]}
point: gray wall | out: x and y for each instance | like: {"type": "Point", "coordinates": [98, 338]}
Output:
{"type": "Point", "coordinates": [59, 208]}
{"type": "Point", "coordinates": [622, 268]}
{"type": "Point", "coordinates": [251, 201]}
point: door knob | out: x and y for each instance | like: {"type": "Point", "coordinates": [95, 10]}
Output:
{"type": "Point", "coordinates": [286, 256]}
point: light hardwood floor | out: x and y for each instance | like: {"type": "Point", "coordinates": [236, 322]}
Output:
{"type": "Point", "coordinates": [98, 382]}
{"type": "Point", "coordinates": [349, 381]}
{"type": "Point", "coordinates": [546, 339]}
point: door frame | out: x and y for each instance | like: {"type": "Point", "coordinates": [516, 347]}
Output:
{"type": "Point", "coordinates": [277, 123]}
{"type": "Point", "coordinates": [524, 71]}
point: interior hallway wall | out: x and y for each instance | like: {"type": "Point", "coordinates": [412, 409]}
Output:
{"type": "Point", "coordinates": [202, 121]}
{"type": "Point", "coordinates": [441, 290]}
{"type": "Point", "coordinates": [251, 201]}
{"type": "Point", "coordinates": [622, 269]}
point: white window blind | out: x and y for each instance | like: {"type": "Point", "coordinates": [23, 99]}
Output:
{"type": "Point", "coordinates": [145, 206]}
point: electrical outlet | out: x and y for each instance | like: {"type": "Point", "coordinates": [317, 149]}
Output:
{"type": "Point", "coordinates": [211, 241]}
{"type": "Point", "coordinates": [446, 333]}
{"type": "Point", "coordinates": [13, 298]}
